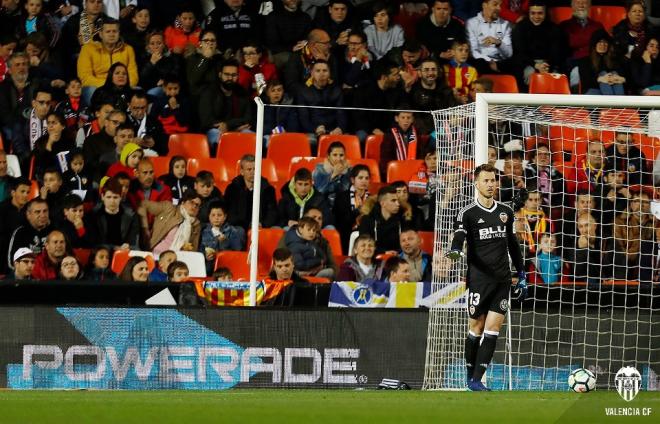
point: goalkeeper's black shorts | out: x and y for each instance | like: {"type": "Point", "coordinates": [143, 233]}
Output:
{"type": "Point", "coordinates": [486, 297]}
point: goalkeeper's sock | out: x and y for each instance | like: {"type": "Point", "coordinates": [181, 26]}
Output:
{"type": "Point", "coordinates": [485, 354]}
{"type": "Point", "coordinates": [471, 349]}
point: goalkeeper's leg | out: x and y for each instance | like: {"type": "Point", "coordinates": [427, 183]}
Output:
{"type": "Point", "coordinates": [472, 344]}
{"type": "Point", "coordinates": [494, 322]}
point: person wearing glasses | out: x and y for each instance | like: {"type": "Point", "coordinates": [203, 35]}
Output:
{"type": "Point", "coordinates": [23, 264]}
{"type": "Point", "coordinates": [70, 269]}
{"type": "Point", "coordinates": [175, 227]}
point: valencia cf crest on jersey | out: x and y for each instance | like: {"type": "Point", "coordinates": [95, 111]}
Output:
{"type": "Point", "coordinates": [504, 217]}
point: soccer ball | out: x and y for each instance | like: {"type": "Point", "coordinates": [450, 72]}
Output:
{"type": "Point", "coordinates": [582, 380]}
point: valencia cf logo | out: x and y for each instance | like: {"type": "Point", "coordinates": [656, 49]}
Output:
{"type": "Point", "coordinates": [472, 309]}
{"type": "Point", "coordinates": [504, 305]}
{"type": "Point", "coordinates": [504, 217]}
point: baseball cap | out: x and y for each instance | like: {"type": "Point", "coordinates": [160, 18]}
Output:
{"type": "Point", "coordinates": [23, 252]}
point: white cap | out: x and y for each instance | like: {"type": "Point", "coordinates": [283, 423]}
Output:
{"type": "Point", "coordinates": [22, 252]}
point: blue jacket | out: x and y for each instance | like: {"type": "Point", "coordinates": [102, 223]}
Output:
{"type": "Point", "coordinates": [307, 255]}
{"type": "Point", "coordinates": [327, 186]}
{"type": "Point", "coordinates": [235, 238]}
{"type": "Point", "coordinates": [549, 267]}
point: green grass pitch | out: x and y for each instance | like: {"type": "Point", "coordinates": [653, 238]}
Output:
{"type": "Point", "coordinates": [319, 407]}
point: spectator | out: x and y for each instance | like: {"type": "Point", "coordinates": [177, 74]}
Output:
{"type": "Point", "coordinates": [95, 123]}
{"type": "Point", "coordinates": [224, 107]}
{"type": "Point", "coordinates": [416, 215]}
{"type": "Point", "coordinates": [81, 28]}
{"type": "Point", "coordinates": [136, 269]}
{"type": "Point", "coordinates": [233, 23]}
{"type": "Point", "coordinates": [255, 70]}
{"type": "Point", "coordinates": [145, 187]}
{"type": "Point", "coordinates": [70, 106]}
{"type": "Point", "coordinates": [337, 22]}
{"type": "Point", "coordinates": [116, 90]}
{"type": "Point", "coordinates": [50, 148]}
{"type": "Point", "coordinates": [165, 259]}
{"type": "Point", "coordinates": [102, 143]}
{"type": "Point", "coordinates": [98, 268]}
{"type": "Point", "coordinates": [202, 67]}
{"type": "Point", "coordinates": [183, 36]}
{"type": "Point", "coordinates": [490, 38]}
{"type": "Point", "coordinates": [308, 257]}
{"type": "Point", "coordinates": [173, 109]}
{"type": "Point", "coordinates": [96, 58]}
{"type": "Point", "coordinates": [430, 93]}
{"type": "Point", "coordinates": [615, 197]}
{"type": "Point", "coordinates": [585, 203]}
{"type": "Point", "coordinates": [298, 195]}
{"type": "Point", "coordinates": [238, 198]}
{"type": "Point", "coordinates": [540, 173]}
{"type": "Point", "coordinates": [16, 95]}
{"type": "Point", "coordinates": [633, 32]}
{"type": "Point", "coordinates": [44, 63]}
{"type": "Point", "coordinates": [530, 223]}
{"type": "Point", "coordinates": [298, 70]}
{"type": "Point", "coordinates": [396, 270]}
{"type": "Point", "coordinates": [7, 47]}
{"type": "Point", "coordinates": [515, 11]}
{"type": "Point", "coordinates": [34, 124]}
{"type": "Point", "coordinates": [537, 44]}
{"type": "Point", "coordinates": [157, 64]}
{"type": "Point", "coordinates": [440, 29]}
{"type": "Point", "coordinates": [355, 68]}
{"type": "Point", "coordinates": [12, 214]}
{"type": "Point", "coordinates": [117, 9]}
{"type": "Point", "coordinates": [624, 156]}
{"type": "Point", "coordinates": [174, 227]}
{"type": "Point", "coordinates": [283, 268]}
{"type": "Point", "coordinates": [34, 230]}
{"type": "Point", "coordinates": [420, 262]}
{"type": "Point", "coordinates": [460, 75]}
{"type": "Point", "coordinates": [208, 192]}
{"type": "Point", "coordinates": [322, 92]}
{"type": "Point", "coordinates": [383, 218]}
{"type": "Point", "coordinates": [23, 265]}
{"type": "Point", "coordinates": [278, 119]}
{"type": "Point", "coordinates": [332, 175]}
{"type": "Point", "coordinates": [646, 69]}
{"type": "Point", "coordinates": [578, 31]}
{"type": "Point", "coordinates": [111, 224]}
{"type": "Point", "coordinates": [409, 59]}
{"type": "Point", "coordinates": [362, 264]}
{"type": "Point", "coordinates": [600, 73]}
{"type": "Point", "coordinates": [177, 272]}
{"type": "Point", "coordinates": [71, 221]}
{"type": "Point", "coordinates": [51, 191]}
{"type": "Point", "coordinates": [383, 93]}
{"type": "Point", "coordinates": [136, 29]}
{"type": "Point", "coordinates": [588, 172]}
{"type": "Point", "coordinates": [512, 179]}
{"type": "Point", "coordinates": [34, 19]}
{"type": "Point", "coordinates": [381, 37]}
{"type": "Point", "coordinates": [317, 215]}
{"type": "Point", "coordinates": [401, 142]}
{"type": "Point", "coordinates": [47, 263]}
{"type": "Point", "coordinates": [586, 255]}
{"type": "Point", "coordinates": [218, 235]}
{"type": "Point", "coordinates": [129, 158]}
{"type": "Point", "coordinates": [69, 269]}
{"type": "Point", "coordinates": [123, 137]}
{"type": "Point", "coordinates": [148, 130]}
{"type": "Point", "coordinates": [177, 179]}
{"type": "Point", "coordinates": [548, 263]}
{"type": "Point", "coordinates": [286, 30]}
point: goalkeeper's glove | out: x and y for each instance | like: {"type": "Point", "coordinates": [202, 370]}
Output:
{"type": "Point", "coordinates": [454, 255]}
{"type": "Point", "coordinates": [520, 290]}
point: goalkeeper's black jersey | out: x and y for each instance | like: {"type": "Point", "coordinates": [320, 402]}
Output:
{"type": "Point", "coordinates": [490, 240]}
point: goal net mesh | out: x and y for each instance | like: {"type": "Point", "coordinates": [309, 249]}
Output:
{"type": "Point", "coordinates": [581, 183]}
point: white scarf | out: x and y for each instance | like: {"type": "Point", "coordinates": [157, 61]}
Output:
{"type": "Point", "coordinates": [184, 231]}
{"type": "Point", "coordinates": [37, 128]}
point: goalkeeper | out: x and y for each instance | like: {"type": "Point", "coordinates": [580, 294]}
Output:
{"type": "Point", "coordinates": [487, 226]}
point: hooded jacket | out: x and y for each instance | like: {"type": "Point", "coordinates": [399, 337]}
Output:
{"type": "Point", "coordinates": [292, 207]}
{"type": "Point", "coordinates": [384, 231]}
{"type": "Point", "coordinates": [95, 61]}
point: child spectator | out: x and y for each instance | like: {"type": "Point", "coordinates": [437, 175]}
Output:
{"type": "Point", "coordinates": [183, 36]}
{"type": "Point", "coordinates": [332, 175]}
{"type": "Point", "coordinates": [173, 109]}
{"type": "Point", "coordinates": [159, 273]}
{"type": "Point", "coordinates": [177, 272]}
{"type": "Point", "coordinates": [218, 235]}
{"type": "Point", "coordinates": [35, 20]}
{"type": "Point", "coordinates": [308, 257]}
{"type": "Point", "coordinates": [130, 157]}
{"type": "Point", "coordinates": [223, 274]}
{"type": "Point", "coordinates": [72, 224]}
{"type": "Point", "coordinates": [278, 119]}
{"type": "Point", "coordinates": [298, 196]}
{"type": "Point", "coordinates": [530, 222]}
{"type": "Point", "coordinates": [70, 106]}
{"type": "Point", "coordinates": [381, 36]}
{"type": "Point", "coordinates": [459, 74]}
{"type": "Point", "coordinates": [400, 143]}
{"type": "Point", "coordinates": [255, 70]}
{"type": "Point", "coordinates": [205, 186]}
{"type": "Point", "coordinates": [177, 179]}
{"type": "Point", "coordinates": [75, 177]}
{"type": "Point", "coordinates": [548, 263]}
{"type": "Point", "coordinates": [600, 72]}
{"type": "Point", "coordinates": [69, 269]}
{"type": "Point", "coordinates": [98, 268]}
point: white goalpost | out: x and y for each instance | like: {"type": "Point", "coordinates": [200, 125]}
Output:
{"type": "Point", "coordinates": [592, 296]}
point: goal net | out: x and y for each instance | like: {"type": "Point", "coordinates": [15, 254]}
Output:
{"type": "Point", "coordinates": [578, 172]}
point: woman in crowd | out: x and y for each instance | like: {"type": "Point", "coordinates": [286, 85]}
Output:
{"type": "Point", "coordinates": [116, 90]}
{"type": "Point", "coordinates": [381, 36]}
{"type": "Point", "coordinates": [332, 175]}
{"type": "Point", "coordinates": [70, 269]}
{"type": "Point", "coordinates": [362, 264]}
{"type": "Point", "coordinates": [632, 33]}
{"type": "Point", "coordinates": [136, 269]}
{"type": "Point", "coordinates": [48, 146]}
{"type": "Point", "coordinates": [600, 72]}
{"type": "Point", "coordinates": [645, 68]}
{"type": "Point", "coordinates": [348, 203]}
{"type": "Point", "coordinates": [156, 63]}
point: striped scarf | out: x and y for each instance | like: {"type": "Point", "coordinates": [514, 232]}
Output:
{"type": "Point", "coordinates": [406, 144]}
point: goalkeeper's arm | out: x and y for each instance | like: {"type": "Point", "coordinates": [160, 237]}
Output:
{"type": "Point", "coordinates": [456, 250]}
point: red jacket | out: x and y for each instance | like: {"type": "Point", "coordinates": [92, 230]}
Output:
{"type": "Point", "coordinates": [582, 177]}
{"type": "Point", "coordinates": [44, 269]}
{"type": "Point", "coordinates": [512, 16]}
{"type": "Point", "coordinates": [246, 75]}
{"type": "Point", "coordinates": [579, 37]}
{"type": "Point", "coordinates": [175, 37]}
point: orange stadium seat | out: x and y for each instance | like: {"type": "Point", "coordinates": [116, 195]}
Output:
{"type": "Point", "coordinates": [268, 170]}
{"type": "Point", "coordinates": [298, 162]}
{"type": "Point", "coordinates": [283, 147]}
{"type": "Point", "coordinates": [34, 190]}
{"type": "Point", "coordinates": [608, 15]}
{"type": "Point", "coordinates": [236, 261]}
{"type": "Point", "coordinates": [161, 165]}
{"type": "Point", "coordinates": [334, 239]}
{"type": "Point", "coordinates": [403, 169]}
{"type": "Point", "coordinates": [214, 165]}
{"type": "Point", "coordinates": [373, 167]}
{"type": "Point", "coordinates": [560, 14]}
{"type": "Point", "coordinates": [188, 145]}
{"type": "Point", "coordinates": [619, 118]}
{"type": "Point", "coordinates": [351, 145]}
{"type": "Point", "coordinates": [120, 258]}
{"type": "Point", "coordinates": [268, 240]}
{"type": "Point", "coordinates": [427, 241]}
{"type": "Point", "coordinates": [372, 147]}
{"type": "Point", "coordinates": [503, 83]}
{"type": "Point", "coordinates": [549, 84]}
{"type": "Point", "coordinates": [233, 146]}
{"type": "Point", "coordinates": [82, 255]}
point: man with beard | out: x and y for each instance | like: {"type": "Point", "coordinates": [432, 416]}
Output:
{"type": "Point", "coordinates": [578, 31]}
{"type": "Point", "coordinates": [440, 29]}
{"type": "Point", "coordinates": [430, 93]}
{"type": "Point", "coordinates": [490, 38]}
{"type": "Point", "coordinates": [148, 129]}
{"type": "Point", "coordinates": [225, 107]}
{"type": "Point", "coordinates": [16, 94]}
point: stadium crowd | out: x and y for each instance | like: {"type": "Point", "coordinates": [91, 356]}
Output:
{"type": "Point", "coordinates": [91, 92]}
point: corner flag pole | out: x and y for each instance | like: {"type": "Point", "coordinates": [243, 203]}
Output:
{"type": "Point", "coordinates": [256, 202]}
